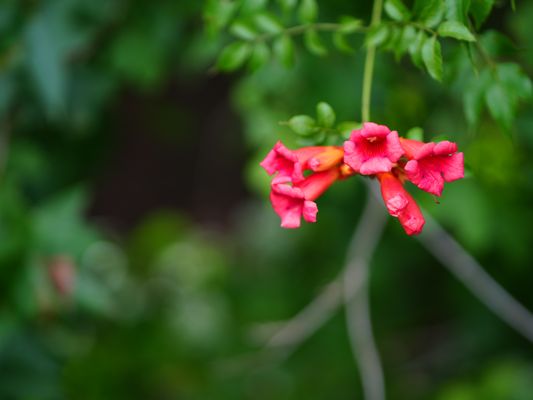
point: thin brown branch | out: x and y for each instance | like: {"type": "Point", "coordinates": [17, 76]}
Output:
{"type": "Point", "coordinates": [465, 268]}
{"type": "Point", "coordinates": [364, 349]}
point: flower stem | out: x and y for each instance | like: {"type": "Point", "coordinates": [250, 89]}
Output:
{"type": "Point", "coordinates": [369, 64]}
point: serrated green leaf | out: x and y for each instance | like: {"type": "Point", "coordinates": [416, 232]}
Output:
{"type": "Point", "coordinates": [456, 30]}
{"type": "Point", "coordinates": [243, 31]}
{"type": "Point", "coordinates": [480, 10]}
{"type": "Point", "coordinates": [284, 50]}
{"type": "Point", "coordinates": [415, 49]}
{"type": "Point", "coordinates": [233, 56]}
{"type": "Point", "coordinates": [303, 125]}
{"type": "Point", "coordinates": [325, 115]}
{"type": "Point", "coordinates": [377, 35]}
{"type": "Point", "coordinates": [415, 133]}
{"type": "Point", "coordinates": [432, 57]}
{"type": "Point", "coordinates": [397, 10]}
{"type": "Point", "coordinates": [340, 41]}
{"type": "Point", "coordinates": [260, 56]}
{"type": "Point", "coordinates": [268, 23]}
{"type": "Point", "coordinates": [349, 24]}
{"type": "Point", "coordinates": [308, 11]}
{"type": "Point", "coordinates": [314, 43]}
{"type": "Point", "coordinates": [431, 12]}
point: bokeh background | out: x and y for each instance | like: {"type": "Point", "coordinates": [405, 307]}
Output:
{"type": "Point", "coordinates": [140, 258]}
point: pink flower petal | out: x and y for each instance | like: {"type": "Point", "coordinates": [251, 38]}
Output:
{"type": "Point", "coordinates": [294, 201]}
{"type": "Point", "coordinates": [287, 202]}
{"type": "Point", "coordinates": [283, 161]}
{"type": "Point", "coordinates": [372, 149]}
{"type": "Point", "coordinates": [432, 164]}
{"type": "Point", "coordinates": [375, 165]}
{"type": "Point", "coordinates": [310, 210]}
{"type": "Point", "coordinates": [373, 130]}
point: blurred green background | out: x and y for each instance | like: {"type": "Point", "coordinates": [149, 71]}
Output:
{"type": "Point", "coordinates": [140, 258]}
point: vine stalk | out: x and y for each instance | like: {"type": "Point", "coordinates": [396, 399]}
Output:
{"type": "Point", "coordinates": [358, 306]}
{"type": "Point", "coordinates": [369, 64]}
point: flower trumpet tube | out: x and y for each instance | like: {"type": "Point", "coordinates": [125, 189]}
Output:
{"type": "Point", "coordinates": [292, 163]}
{"type": "Point", "coordinates": [400, 204]}
{"type": "Point", "coordinates": [292, 202]}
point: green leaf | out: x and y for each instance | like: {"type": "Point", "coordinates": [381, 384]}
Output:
{"type": "Point", "coordinates": [47, 64]}
{"type": "Point", "coordinates": [432, 57]}
{"type": "Point", "coordinates": [415, 49]}
{"type": "Point", "coordinates": [394, 37]}
{"type": "Point", "coordinates": [346, 128]}
{"type": "Point", "coordinates": [349, 24]}
{"type": "Point", "coordinates": [415, 133]}
{"type": "Point", "coordinates": [242, 31]}
{"type": "Point", "coordinates": [287, 5]}
{"type": "Point", "coordinates": [473, 99]}
{"type": "Point", "coordinates": [325, 115]}
{"type": "Point", "coordinates": [480, 10]}
{"type": "Point", "coordinates": [514, 80]}
{"type": "Point", "coordinates": [341, 42]}
{"type": "Point", "coordinates": [397, 10]}
{"type": "Point", "coordinates": [406, 37]}
{"type": "Point", "coordinates": [284, 50]}
{"type": "Point", "coordinates": [456, 10]}
{"type": "Point", "coordinates": [377, 35]}
{"type": "Point", "coordinates": [268, 23]}
{"type": "Point", "coordinates": [250, 7]}
{"type": "Point", "coordinates": [314, 43]}
{"type": "Point", "coordinates": [260, 56]}
{"type": "Point", "coordinates": [497, 44]}
{"type": "Point", "coordinates": [456, 30]}
{"type": "Point", "coordinates": [430, 12]}
{"type": "Point", "coordinates": [303, 125]}
{"type": "Point", "coordinates": [501, 105]}
{"type": "Point", "coordinates": [217, 14]}
{"type": "Point", "coordinates": [233, 56]}
{"type": "Point", "coordinates": [308, 11]}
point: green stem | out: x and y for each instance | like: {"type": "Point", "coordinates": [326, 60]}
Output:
{"type": "Point", "coordinates": [299, 29]}
{"type": "Point", "coordinates": [369, 65]}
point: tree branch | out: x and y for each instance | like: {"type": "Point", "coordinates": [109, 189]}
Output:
{"type": "Point", "coordinates": [363, 244]}
{"type": "Point", "coordinates": [465, 268]}
{"type": "Point", "coordinates": [347, 283]}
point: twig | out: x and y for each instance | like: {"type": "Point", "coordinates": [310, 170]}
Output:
{"type": "Point", "coordinates": [323, 307]}
{"type": "Point", "coordinates": [309, 320]}
{"type": "Point", "coordinates": [363, 244]}
{"type": "Point", "coordinates": [465, 268]}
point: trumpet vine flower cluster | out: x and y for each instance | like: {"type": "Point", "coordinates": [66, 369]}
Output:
{"type": "Point", "coordinates": [301, 176]}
